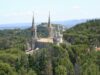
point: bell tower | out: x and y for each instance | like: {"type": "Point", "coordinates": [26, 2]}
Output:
{"type": "Point", "coordinates": [50, 34]}
{"type": "Point", "coordinates": [33, 34]}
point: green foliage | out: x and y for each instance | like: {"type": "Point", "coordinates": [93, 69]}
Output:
{"type": "Point", "coordinates": [42, 62]}
{"type": "Point", "coordinates": [31, 72]}
{"type": "Point", "coordinates": [77, 58]}
{"type": "Point", "coordinates": [84, 33]}
{"type": "Point", "coordinates": [60, 70]}
{"type": "Point", "coordinates": [6, 69]}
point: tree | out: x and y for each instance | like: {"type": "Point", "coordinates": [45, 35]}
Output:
{"type": "Point", "coordinates": [31, 72]}
{"type": "Point", "coordinates": [60, 70]}
{"type": "Point", "coordinates": [6, 69]}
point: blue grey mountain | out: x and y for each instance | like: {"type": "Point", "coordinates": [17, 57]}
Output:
{"type": "Point", "coordinates": [67, 24]}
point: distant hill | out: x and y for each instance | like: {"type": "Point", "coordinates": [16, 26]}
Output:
{"type": "Point", "coordinates": [70, 23]}
{"type": "Point", "coordinates": [88, 27]}
{"type": "Point", "coordinates": [67, 24]}
{"type": "Point", "coordinates": [84, 33]}
{"type": "Point", "coordinates": [15, 26]}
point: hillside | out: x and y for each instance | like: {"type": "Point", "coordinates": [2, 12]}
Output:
{"type": "Point", "coordinates": [84, 33]}
{"type": "Point", "coordinates": [8, 37]}
{"type": "Point", "coordinates": [55, 60]}
{"type": "Point", "coordinates": [92, 26]}
{"type": "Point", "coordinates": [70, 23]}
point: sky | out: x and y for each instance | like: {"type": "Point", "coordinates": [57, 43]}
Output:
{"type": "Point", "coordinates": [21, 11]}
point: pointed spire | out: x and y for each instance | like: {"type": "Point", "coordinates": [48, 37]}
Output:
{"type": "Point", "coordinates": [49, 27]}
{"type": "Point", "coordinates": [49, 21]}
{"type": "Point", "coordinates": [34, 29]}
{"type": "Point", "coordinates": [34, 34]}
{"type": "Point", "coordinates": [33, 26]}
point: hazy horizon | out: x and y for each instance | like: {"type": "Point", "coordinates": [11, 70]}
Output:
{"type": "Point", "coordinates": [21, 11]}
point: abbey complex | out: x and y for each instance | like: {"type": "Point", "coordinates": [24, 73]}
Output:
{"type": "Point", "coordinates": [54, 36]}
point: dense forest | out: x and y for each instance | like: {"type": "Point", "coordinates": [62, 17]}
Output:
{"type": "Point", "coordinates": [84, 33]}
{"type": "Point", "coordinates": [76, 56]}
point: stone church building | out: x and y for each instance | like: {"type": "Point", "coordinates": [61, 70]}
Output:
{"type": "Point", "coordinates": [54, 36]}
